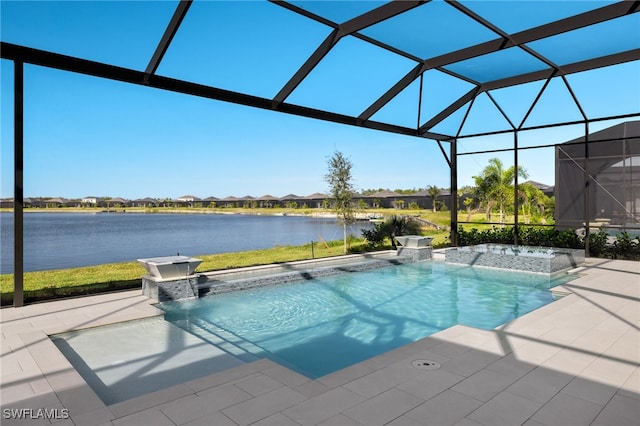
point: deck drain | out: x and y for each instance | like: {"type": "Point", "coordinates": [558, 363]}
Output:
{"type": "Point", "coordinates": [425, 364]}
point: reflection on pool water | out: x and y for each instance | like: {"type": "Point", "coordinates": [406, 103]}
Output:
{"type": "Point", "coordinates": [319, 326]}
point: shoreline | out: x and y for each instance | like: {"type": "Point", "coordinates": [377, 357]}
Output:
{"type": "Point", "coordinates": [247, 212]}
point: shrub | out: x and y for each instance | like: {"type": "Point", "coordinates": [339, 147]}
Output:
{"type": "Point", "coordinates": [624, 247]}
{"type": "Point", "coordinates": [374, 236]}
{"type": "Point", "coordinates": [566, 239]}
{"type": "Point", "coordinates": [392, 226]}
{"type": "Point", "coordinates": [598, 244]}
{"type": "Point", "coordinates": [527, 236]}
{"type": "Point", "coordinates": [468, 238]}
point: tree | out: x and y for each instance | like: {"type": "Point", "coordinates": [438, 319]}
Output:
{"type": "Point", "coordinates": [495, 184]}
{"type": "Point", "coordinates": [481, 193]}
{"type": "Point", "coordinates": [341, 189]}
{"type": "Point", "coordinates": [468, 202]}
{"type": "Point", "coordinates": [433, 191]}
{"type": "Point", "coordinates": [528, 196]}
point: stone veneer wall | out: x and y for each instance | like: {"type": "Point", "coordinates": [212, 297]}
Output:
{"type": "Point", "coordinates": [213, 286]}
{"type": "Point", "coordinates": [416, 253]}
{"type": "Point", "coordinates": [165, 291]}
{"type": "Point", "coordinates": [563, 259]}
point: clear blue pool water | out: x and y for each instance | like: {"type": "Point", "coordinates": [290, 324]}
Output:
{"type": "Point", "coordinates": [319, 326]}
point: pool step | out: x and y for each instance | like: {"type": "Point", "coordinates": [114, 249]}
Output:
{"type": "Point", "coordinates": [222, 339]}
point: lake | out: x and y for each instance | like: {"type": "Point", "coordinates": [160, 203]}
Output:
{"type": "Point", "coordinates": [66, 240]}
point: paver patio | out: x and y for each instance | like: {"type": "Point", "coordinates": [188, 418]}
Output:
{"type": "Point", "coordinates": [573, 362]}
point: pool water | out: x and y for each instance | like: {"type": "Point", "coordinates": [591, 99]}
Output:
{"type": "Point", "coordinates": [322, 325]}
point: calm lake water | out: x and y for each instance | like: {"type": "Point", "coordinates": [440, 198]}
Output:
{"type": "Point", "coordinates": [65, 240]}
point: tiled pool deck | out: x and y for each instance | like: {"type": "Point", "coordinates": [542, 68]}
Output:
{"type": "Point", "coordinates": [574, 362]}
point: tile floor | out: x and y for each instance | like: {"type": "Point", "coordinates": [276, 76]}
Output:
{"type": "Point", "coordinates": [574, 362]}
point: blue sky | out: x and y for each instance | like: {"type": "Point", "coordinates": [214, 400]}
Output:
{"type": "Point", "coordinates": [88, 136]}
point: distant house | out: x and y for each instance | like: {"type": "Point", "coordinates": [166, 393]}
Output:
{"type": "Point", "coordinates": [423, 199]}
{"type": "Point", "coordinates": [546, 189]}
{"type": "Point", "coordinates": [188, 198]}
{"type": "Point", "coordinates": [54, 202]}
{"type": "Point", "coordinates": [267, 200]}
{"type": "Point", "coordinates": [380, 199]}
{"type": "Point", "coordinates": [290, 200]}
{"type": "Point", "coordinates": [247, 201]}
{"type": "Point", "coordinates": [8, 203]}
{"type": "Point", "coordinates": [210, 201]}
{"type": "Point", "coordinates": [117, 201]}
{"type": "Point", "coordinates": [145, 202]}
{"type": "Point", "coordinates": [90, 200]}
{"type": "Point", "coordinates": [316, 200]}
{"type": "Point", "coordinates": [386, 199]}
{"type": "Point", "coordinates": [230, 201]}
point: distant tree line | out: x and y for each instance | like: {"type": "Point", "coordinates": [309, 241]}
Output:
{"type": "Point", "coordinates": [399, 190]}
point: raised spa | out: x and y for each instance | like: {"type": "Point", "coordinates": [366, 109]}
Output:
{"type": "Point", "coordinates": [521, 258]}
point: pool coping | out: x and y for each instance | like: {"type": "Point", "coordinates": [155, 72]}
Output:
{"type": "Point", "coordinates": [572, 359]}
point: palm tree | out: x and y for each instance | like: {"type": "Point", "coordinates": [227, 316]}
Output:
{"type": "Point", "coordinates": [496, 184]}
{"type": "Point", "coordinates": [482, 193]}
{"type": "Point", "coordinates": [531, 196]}
{"type": "Point", "coordinates": [433, 191]}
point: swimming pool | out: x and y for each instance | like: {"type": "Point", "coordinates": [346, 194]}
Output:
{"type": "Point", "coordinates": [321, 325]}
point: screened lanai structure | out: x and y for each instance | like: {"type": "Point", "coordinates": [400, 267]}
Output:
{"type": "Point", "coordinates": [446, 73]}
{"type": "Point", "coordinates": [613, 201]}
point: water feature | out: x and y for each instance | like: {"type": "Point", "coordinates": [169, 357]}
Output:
{"type": "Point", "coordinates": [167, 267]}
